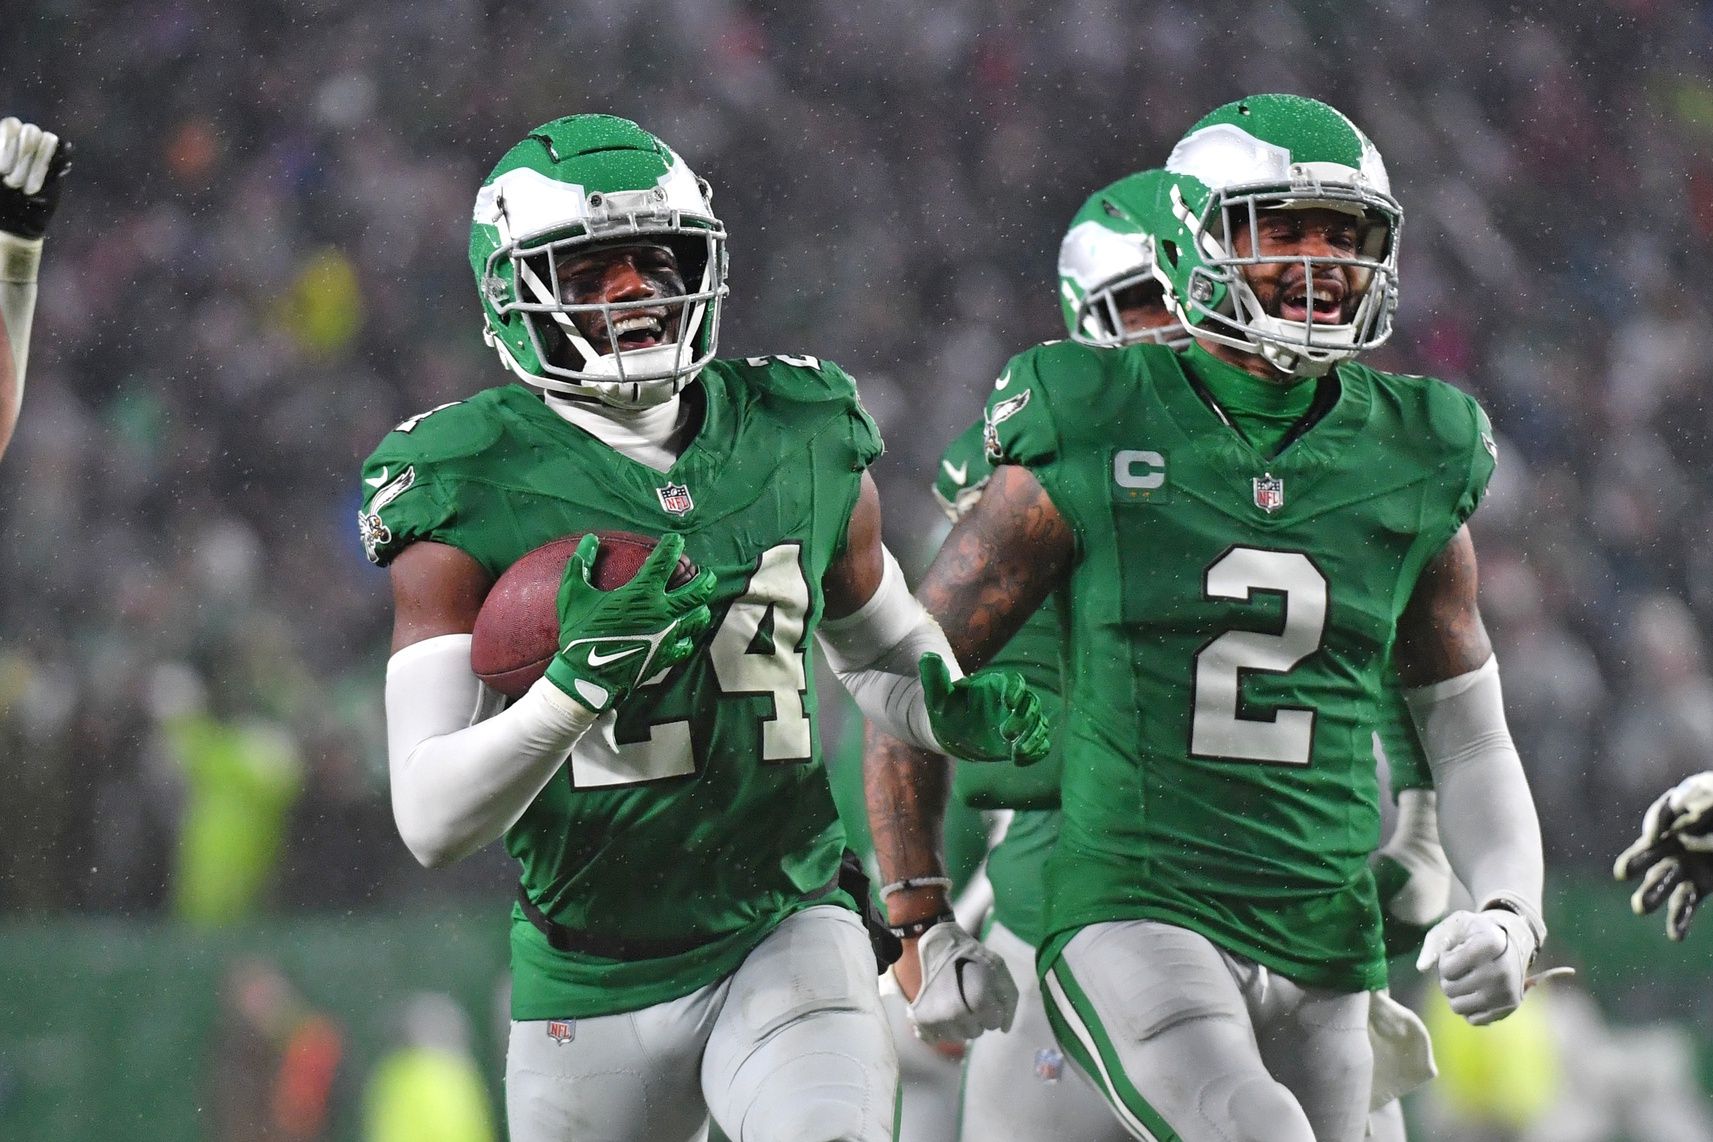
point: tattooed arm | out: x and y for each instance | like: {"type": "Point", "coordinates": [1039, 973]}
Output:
{"type": "Point", "coordinates": [1487, 819]}
{"type": "Point", "coordinates": [996, 567]}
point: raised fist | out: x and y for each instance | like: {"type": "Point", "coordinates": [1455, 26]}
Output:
{"type": "Point", "coordinates": [33, 163]}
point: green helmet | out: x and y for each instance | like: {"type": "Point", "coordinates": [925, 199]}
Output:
{"type": "Point", "coordinates": [1109, 249]}
{"type": "Point", "coordinates": [572, 184]}
{"type": "Point", "coordinates": [1277, 152]}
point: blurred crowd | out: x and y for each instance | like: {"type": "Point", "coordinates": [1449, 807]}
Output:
{"type": "Point", "coordinates": [260, 266]}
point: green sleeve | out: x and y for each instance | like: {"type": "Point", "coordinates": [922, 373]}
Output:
{"type": "Point", "coordinates": [1018, 426]}
{"type": "Point", "coordinates": [402, 503]}
{"type": "Point", "coordinates": [405, 497]}
{"type": "Point", "coordinates": [865, 434]}
{"type": "Point", "coordinates": [963, 473]}
{"type": "Point", "coordinates": [1483, 459]}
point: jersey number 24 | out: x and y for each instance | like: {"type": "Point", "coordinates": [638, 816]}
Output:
{"type": "Point", "coordinates": [758, 648]}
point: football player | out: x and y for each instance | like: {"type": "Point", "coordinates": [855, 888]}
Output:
{"type": "Point", "coordinates": [1012, 1079]}
{"type": "Point", "coordinates": [1674, 854]}
{"type": "Point", "coordinates": [1238, 535]}
{"type": "Point", "coordinates": [682, 940]}
{"type": "Point", "coordinates": [33, 163]}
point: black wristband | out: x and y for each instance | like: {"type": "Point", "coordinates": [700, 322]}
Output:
{"type": "Point", "coordinates": [916, 928]}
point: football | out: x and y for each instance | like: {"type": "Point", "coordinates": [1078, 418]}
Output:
{"type": "Point", "coordinates": [517, 629]}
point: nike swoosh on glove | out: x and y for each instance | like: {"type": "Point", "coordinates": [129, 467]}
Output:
{"type": "Point", "coordinates": [612, 640]}
{"type": "Point", "coordinates": [966, 988]}
{"type": "Point", "coordinates": [1481, 958]}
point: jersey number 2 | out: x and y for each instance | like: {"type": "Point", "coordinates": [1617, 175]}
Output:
{"type": "Point", "coordinates": [1218, 728]}
{"type": "Point", "coordinates": [758, 648]}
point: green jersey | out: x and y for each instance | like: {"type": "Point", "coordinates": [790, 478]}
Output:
{"type": "Point", "coordinates": [696, 816]}
{"type": "Point", "coordinates": [1230, 619]}
{"type": "Point", "coordinates": [1395, 736]}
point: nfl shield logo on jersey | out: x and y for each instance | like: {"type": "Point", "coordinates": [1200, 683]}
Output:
{"type": "Point", "coordinates": [562, 1031]}
{"type": "Point", "coordinates": [1269, 493]}
{"type": "Point", "coordinates": [675, 498]}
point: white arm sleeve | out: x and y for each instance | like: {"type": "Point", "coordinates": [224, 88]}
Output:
{"type": "Point", "coordinates": [1487, 819]}
{"type": "Point", "coordinates": [874, 652]}
{"type": "Point", "coordinates": [19, 259]}
{"type": "Point", "coordinates": [463, 771]}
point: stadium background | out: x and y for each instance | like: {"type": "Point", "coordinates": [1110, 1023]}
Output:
{"type": "Point", "coordinates": [259, 267]}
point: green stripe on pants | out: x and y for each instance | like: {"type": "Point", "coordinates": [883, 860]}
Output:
{"type": "Point", "coordinates": [1080, 1033]}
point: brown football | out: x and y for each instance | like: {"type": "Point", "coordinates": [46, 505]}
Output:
{"type": "Point", "coordinates": [517, 629]}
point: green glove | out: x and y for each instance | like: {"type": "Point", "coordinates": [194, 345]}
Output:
{"type": "Point", "coordinates": [612, 640]}
{"type": "Point", "coordinates": [989, 716]}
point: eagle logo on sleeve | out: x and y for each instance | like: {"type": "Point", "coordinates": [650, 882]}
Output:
{"type": "Point", "coordinates": [371, 528]}
{"type": "Point", "coordinates": [998, 414]}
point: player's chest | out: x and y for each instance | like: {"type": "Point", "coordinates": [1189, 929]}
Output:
{"type": "Point", "coordinates": [733, 507]}
{"type": "Point", "coordinates": [1185, 539]}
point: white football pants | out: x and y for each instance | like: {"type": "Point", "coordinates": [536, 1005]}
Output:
{"type": "Point", "coordinates": [1018, 1085]}
{"type": "Point", "coordinates": [927, 1080]}
{"type": "Point", "coordinates": [1192, 1043]}
{"type": "Point", "coordinates": [791, 1047]}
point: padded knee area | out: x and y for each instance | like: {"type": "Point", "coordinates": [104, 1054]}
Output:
{"type": "Point", "coordinates": [1252, 1108]}
{"type": "Point", "coordinates": [818, 1097]}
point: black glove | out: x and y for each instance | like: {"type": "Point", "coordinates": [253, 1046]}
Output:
{"type": "Point", "coordinates": [1674, 854]}
{"type": "Point", "coordinates": [33, 163]}
{"type": "Point", "coordinates": [1681, 883]}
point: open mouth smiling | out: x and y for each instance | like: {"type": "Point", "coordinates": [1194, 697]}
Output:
{"type": "Point", "coordinates": [1320, 301]}
{"type": "Point", "coordinates": [638, 330]}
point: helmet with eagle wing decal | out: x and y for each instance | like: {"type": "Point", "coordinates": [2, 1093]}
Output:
{"type": "Point", "coordinates": [581, 183]}
{"type": "Point", "coordinates": [1270, 153]}
{"type": "Point", "coordinates": [1107, 258]}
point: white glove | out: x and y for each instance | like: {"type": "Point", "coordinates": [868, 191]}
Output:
{"type": "Point", "coordinates": [966, 989]}
{"type": "Point", "coordinates": [1412, 874]}
{"type": "Point", "coordinates": [1482, 958]}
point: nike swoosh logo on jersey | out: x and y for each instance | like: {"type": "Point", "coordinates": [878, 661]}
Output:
{"type": "Point", "coordinates": [378, 480]}
{"type": "Point", "coordinates": [958, 474]}
{"type": "Point", "coordinates": [596, 658]}
{"type": "Point", "coordinates": [1004, 379]}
